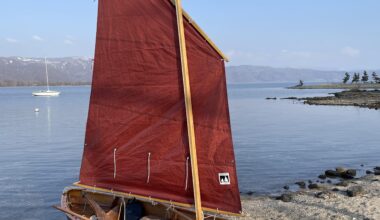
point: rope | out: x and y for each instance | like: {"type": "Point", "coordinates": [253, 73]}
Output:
{"type": "Point", "coordinates": [187, 173]}
{"type": "Point", "coordinates": [125, 208]}
{"type": "Point", "coordinates": [119, 211]}
{"type": "Point", "coordinates": [114, 163]}
{"type": "Point", "coordinates": [171, 206]}
{"type": "Point", "coordinates": [148, 178]}
{"type": "Point", "coordinates": [167, 213]}
{"type": "Point", "coordinates": [85, 205]}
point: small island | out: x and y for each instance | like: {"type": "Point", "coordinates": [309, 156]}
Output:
{"type": "Point", "coordinates": [360, 98]}
{"type": "Point", "coordinates": [339, 86]}
{"type": "Point", "coordinates": [361, 92]}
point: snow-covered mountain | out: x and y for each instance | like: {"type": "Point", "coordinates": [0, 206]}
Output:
{"type": "Point", "coordinates": [16, 71]}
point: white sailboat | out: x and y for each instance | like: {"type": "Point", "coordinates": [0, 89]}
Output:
{"type": "Point", "coordinates": [47, 92]}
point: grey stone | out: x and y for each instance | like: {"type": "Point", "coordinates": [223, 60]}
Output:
{"type": "Point", "coordinates": [355, 191]}
{"type": "Point", "coordinates": [332, 173]}
{"type": "Point", "coordinates": [348, 174]}
{"type": "Point", "coordinates": [322, 176]}
{"type": "Point", "coordinates": [314, 186]}
{"type": "Point", "coordinates": [340, 169]}
{"type": "Point", "coordinates": [301, 184]}
{"type": "Point", "coordinates": [285, 197]}
{"type": "Point", "coordinates": [323, 195]}
{"type": "Point", "coordinates": [250, 193]}
{"type": "Point", "coordinates": [342, 183]}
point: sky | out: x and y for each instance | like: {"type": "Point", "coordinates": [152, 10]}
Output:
{"type": "Point", "coordinates": [323, 34]}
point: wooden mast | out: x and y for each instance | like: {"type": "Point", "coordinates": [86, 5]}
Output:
{"type": "Point", "coordinates": [189, 112]}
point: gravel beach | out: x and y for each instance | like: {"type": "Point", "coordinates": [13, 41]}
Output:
{"type": "Point", "coordinates": [358, 199]}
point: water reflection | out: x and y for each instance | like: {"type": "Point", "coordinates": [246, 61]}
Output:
{"type": "Point", "coordinates": [48, 116]}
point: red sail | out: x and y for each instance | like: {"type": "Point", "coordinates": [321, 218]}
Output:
{"type": "Point", "coordinates": [136, 137]}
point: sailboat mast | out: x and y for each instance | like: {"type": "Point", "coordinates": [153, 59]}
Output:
{"type": "Point", "coordinates": [189, 112]}
{"type": "Point", "coordinates": [47, 77]}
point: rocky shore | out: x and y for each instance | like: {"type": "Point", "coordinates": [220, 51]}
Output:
{"type": "Point", "coordinates": [360, 98]}
{"type": "Point", "coordinates": [337, 194]}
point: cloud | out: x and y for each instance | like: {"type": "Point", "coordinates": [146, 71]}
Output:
{"type": "Point", "coordinates": [349, 51]}
{"type": "Point", "coordinates": [69, 42]}
{"type": "Point", "coordinates": [11, 40]}
{"type": "Point", "coordinates": [37, 38]}
{"type": "Point", "coordinates": [295, 54]}
{"type": "Point", "coordinates": [302, 54]}
{"type": "Point", "coordinates": [237, 53]}
{"type": "Point", "coordinates": [69, 37]}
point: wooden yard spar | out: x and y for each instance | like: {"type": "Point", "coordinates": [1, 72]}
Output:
{"type": "Point", "coordinates": [189, 111]}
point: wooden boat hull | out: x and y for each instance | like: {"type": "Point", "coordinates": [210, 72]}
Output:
{"type": "Point", "coordinates": [77, 204]}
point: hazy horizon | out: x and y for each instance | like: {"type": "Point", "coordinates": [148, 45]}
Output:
{"type": "Point", "coordinates": [321, 35]}
{"type": "Point", "coordinates": [227, 64]}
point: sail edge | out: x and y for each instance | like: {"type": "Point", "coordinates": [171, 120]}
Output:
{"type": "Point", "coordinates": [202, 33]}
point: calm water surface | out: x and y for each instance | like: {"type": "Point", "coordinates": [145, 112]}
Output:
{"type": "Point", "coordinates": [276, 142]}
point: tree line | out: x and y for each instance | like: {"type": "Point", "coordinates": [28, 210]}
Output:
{"type": "Point", "coordinates": [364, 78]}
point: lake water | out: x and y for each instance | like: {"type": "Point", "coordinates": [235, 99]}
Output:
{"type": "Point", "coordinates": [277, 142]}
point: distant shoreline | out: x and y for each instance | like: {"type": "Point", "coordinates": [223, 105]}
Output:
{"type": "Point", "coordinates": [24, 84]}
{"type": "Point", "coordinates": [339, 86]}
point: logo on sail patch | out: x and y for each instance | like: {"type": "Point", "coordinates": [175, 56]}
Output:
{"type": "Point", "coordinates": [224, 179]}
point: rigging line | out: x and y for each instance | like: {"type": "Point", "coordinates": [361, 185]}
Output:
{"type": "Point", "coordinates": [187, 173]}
{"type": "Point", "coordinates": [125, 208]}
{"type": "Point", "coordinates": [118, 217]}
{"type": "Point", "coordinates": [148, 178]}
{"type": "Point", "coordinates": [85, 205]}
{"type": "Point", "coordinates": [213, 216]}
{"type": "Point", "coordinates": [114, 163]}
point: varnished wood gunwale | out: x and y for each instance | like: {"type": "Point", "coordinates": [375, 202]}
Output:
{"type": "Point", "coordinates": [179, 205]}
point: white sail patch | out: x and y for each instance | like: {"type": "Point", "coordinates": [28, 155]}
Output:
{"type": "Point", "coordinates": [224, 179]}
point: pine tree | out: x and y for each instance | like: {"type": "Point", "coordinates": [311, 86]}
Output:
{"type": "Point", "coordinates": [365, 77]}
{"type": "Point", "coordinates": [300, 83]}
{"type": "Point", "coordinates": [346, 78]}
{"type": "Point", "coordinates": [375, 78]}
{"type": "Point", "coordinates": [356, 78]}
